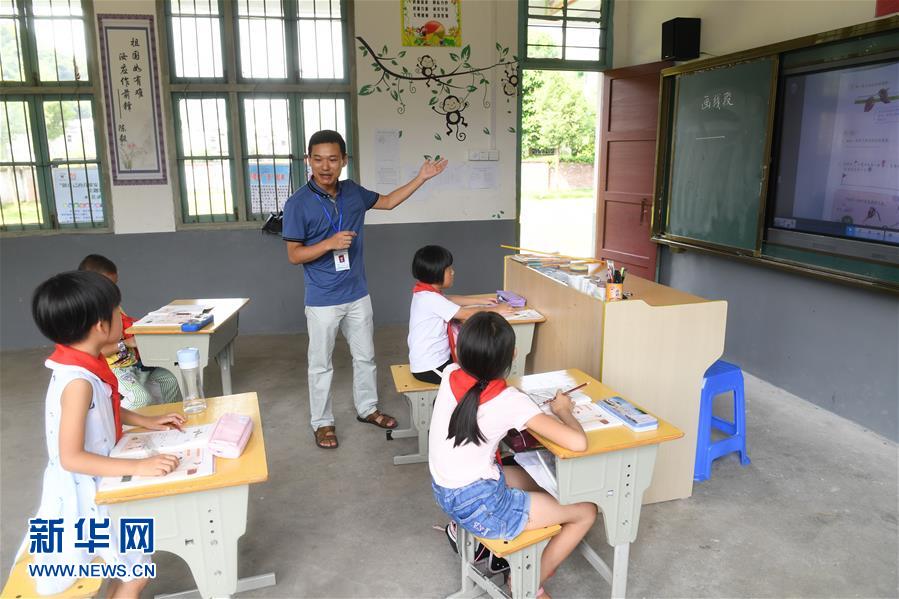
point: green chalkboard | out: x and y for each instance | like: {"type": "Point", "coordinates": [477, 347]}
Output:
{"type": "Point", "coordinates": [719, 154]}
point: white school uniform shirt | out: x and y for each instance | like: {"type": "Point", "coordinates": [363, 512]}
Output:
{"type": "Point", "coordinates": [428, 341]}
{"type": "Point", "coordinates": [454, 467]}
{"type": "Point", "coordinates": [69, 495]}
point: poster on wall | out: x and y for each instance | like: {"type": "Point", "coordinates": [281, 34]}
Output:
{"type": "Point", "coordinates": [131, 88]}
{"type": "Point", "coordinates": [269, 186]}
{"type": "Point", "coordinates": [432, 23]}
{"type": "Point", "coordinates": [76, 190]}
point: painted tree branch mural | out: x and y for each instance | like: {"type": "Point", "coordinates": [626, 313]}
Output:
{"type": "Point", "coordinates": [449, 89]}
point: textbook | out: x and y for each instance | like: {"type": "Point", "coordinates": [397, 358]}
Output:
{"type": "Point", "coordinates": [189, 446]}
{"type": "Point", "coordinates": [633, 417]}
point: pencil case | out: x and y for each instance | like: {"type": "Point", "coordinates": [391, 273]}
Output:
{"type": "Point", "coordinates": [230, 436]}
{"type": "Point", "coordinates": [511, 298]}
{"type": "Point", "coordinates": [195, 324]}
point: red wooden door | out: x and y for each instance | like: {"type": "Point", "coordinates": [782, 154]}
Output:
{"type": "Point", "coordinates": [627, 142]}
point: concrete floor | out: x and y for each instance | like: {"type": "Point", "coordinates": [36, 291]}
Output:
{"type": "Point", "coordinates": [814, 515]}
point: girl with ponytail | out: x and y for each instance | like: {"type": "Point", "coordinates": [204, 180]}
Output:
{"type": "Point", "coordinates": [473, 411]}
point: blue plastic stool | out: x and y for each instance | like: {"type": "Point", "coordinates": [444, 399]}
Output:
{"type": "Point", "coordinates": [721, 377]}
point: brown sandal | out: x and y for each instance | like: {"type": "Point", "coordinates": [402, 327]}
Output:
{"type": "Point", "coordinates": [325, 437]}
{"type": "Point", "coordinates": [379, 419]}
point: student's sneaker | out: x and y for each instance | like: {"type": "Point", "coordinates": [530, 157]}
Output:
{"type": "Point", "coordinates": [496, 565]}
{"type": "Point", "coordinates": [480, 552]}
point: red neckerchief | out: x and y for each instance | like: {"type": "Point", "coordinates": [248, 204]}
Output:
{"type": "Point", "coordinates": [461, 382]}
{"type": "Point", "coordinates": [96, 365]}
{"type": "Point", "coordinates": [127, 321]}
{"type": "Point", "coordinates": [419, 286]}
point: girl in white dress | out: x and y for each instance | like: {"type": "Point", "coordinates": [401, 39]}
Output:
{"type": "Point", "coordinates": [80, 312]}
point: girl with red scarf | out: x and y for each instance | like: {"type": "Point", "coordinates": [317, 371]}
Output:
{"type": "Point", "coordinates": [80, 312]}
{"type": "Point", "coordinates": [473, 411]}
{"type": "Point", "coordinates": [432, 315]}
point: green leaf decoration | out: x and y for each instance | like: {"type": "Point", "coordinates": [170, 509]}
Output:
{"type": "Point", "coordinates": [432, 101]}
{"type": "Point", "coordinates": [454, 57]}
{"type": "Point", "coordinates": [511, 129]}
{"type": "Point", "coordinates": [472, 88]}
{"type": "Point", "coordinates": [393, 62]}
{"type": "Point", "coordinates": [437, 136]}
{"type": "Point", "coordinates": [486, 131]}
{"type": "Point", "coordinates": [401, 54]}
{"type": "Point", "coordinates": [427, 156]}
{"type": "Point", "coordinates": [366, 90]}
{"type": "Point", "coordinates": [400, 133]}
{"type": "Point", "coordinates": [498, 47]}
{"type": "Point", "coordinates": [466, 52]}
{"type": "Point", "coordinates": [394, 95]}
{"type": "Point", "coordinates": [437, 158]}
{"type": "Point", "coordinates": [384, 50]}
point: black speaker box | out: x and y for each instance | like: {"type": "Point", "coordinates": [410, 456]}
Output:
{"type": "Point", "coordinates": [680, 39]}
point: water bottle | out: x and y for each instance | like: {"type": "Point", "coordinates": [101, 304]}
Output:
{"type": "Point", "coordinates": [189, 362]}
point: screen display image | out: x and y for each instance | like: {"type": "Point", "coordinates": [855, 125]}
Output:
{"type": "Point", "coordinates": [838, 165]}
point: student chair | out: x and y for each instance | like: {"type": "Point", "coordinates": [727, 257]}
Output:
{"type": "Point", "coordinates": [21, 585]}
{"type": "Point", "coordinates": [421, 398]}
{"type": "Point", "coordinates": [523, 554]}
{"type": "Point", "coordinates": [721, 377]}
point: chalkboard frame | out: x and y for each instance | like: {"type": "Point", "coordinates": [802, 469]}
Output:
{"type": "Point", "coordinates": [667, 119]}
{"type": "Point", "coordinates": [676, 83]}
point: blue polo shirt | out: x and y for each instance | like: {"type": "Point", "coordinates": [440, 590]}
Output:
{"type": "Point", "coordinates": [310, 216]}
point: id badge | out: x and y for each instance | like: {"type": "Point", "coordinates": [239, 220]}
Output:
{"type": "Point", "coordinates": [341, 260]}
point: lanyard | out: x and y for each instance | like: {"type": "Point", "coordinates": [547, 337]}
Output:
{"type": "Point", "coordinates": [318, 194]}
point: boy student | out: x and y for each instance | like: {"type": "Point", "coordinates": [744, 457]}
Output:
{"type": "Point", "coordinates": [323, 228]}
{"type": "Point", "coordinates": [140, 386]}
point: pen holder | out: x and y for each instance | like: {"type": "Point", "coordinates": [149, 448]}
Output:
{"type": "Point", "coordinates": [614, 292]}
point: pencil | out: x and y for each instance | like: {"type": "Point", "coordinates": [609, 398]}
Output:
{"type": "Point", "coordinates": [572, 390]}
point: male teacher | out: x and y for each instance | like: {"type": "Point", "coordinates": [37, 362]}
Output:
{"type": "Point", "coordinates": [323, 228]}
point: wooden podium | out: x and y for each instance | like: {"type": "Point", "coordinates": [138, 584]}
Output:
{"type": "Point", "coordinates": [653, 348]}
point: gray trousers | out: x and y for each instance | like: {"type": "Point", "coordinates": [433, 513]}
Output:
{"type": "Point", "coordinates": [355, 322]}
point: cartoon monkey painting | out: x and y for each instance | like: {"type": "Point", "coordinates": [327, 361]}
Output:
{"type": "Point", "coordinates": [452, 108]}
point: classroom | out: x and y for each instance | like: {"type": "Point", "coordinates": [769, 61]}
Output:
{"type": "Point", "coordinates": [432, 298]}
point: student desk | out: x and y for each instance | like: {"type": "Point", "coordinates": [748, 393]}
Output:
{"type": "Point", "coordinates": [613, 472]}
{"type": "Point", "coordinates": [158, 345]}
{"type": "Point", "coordinates": [201, 520]}
{"type": "Point", "coordinates": [524, 335]}
{"type": "Point", "coordinates": [653, 348]}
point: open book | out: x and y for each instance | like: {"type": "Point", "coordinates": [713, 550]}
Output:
{"type": "Point", "coordinates": [541, 388]}
{"type": "Point", "coordinates": [173, 315]}
{"type": "Point", "coordinates": [189, 446]}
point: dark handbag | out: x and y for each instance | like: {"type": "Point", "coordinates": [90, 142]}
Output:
{"type": "Point", "coordinates": [519, 441]}
{"type": "Point", "coordinates": [273, 224]}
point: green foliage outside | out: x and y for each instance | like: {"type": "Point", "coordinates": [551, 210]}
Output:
{"type": "Point", "coordinates": [558, 114]}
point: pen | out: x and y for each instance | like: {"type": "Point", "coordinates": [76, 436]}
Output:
{"type": "Point", "coordinates": [572, 390]}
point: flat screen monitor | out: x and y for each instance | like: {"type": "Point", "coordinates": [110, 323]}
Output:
{"type": "Point", "coordinates": [836, 187]}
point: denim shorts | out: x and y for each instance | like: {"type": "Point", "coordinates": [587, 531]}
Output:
{"type": "Point", "coordinates": [487, 508]}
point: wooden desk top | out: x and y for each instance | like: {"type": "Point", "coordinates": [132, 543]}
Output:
{"type": "Point", "coordinates": [517, 320]}
{"type": "Point", "coordinates": [222, 309]}
{"type": "Point", "coordinates": [250, 467]}
{"type": "Point", "coordinates": [608, 439]}
{"type": "Point", "coordinates": [649, 292]}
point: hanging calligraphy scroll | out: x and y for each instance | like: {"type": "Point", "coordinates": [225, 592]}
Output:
{"type": "Point", "coordinates": [133, 112]}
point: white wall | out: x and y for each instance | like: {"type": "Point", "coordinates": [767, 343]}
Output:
{"type": "Point", "coordinates": [151, 208]}
{"type": "Point", "coordinates": [446, 198]}
{"type": "Point", "coordinates": [139, 208]}
{"type": "Point", "coordinates": [728, 25]}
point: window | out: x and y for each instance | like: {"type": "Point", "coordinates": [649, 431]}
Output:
{"type": "Point", "coordinates": [251, 81]}
{"type": "Point", "coordinates": [571, 34]}
{"type": "Point", "coordinates": [49, 158]}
